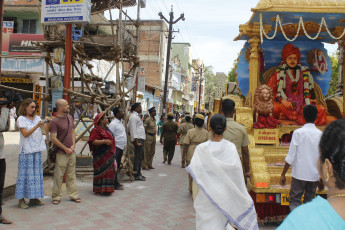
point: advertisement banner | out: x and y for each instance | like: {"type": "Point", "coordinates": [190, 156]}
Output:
{"type": "Point", "coordinates": [141, 84]}
{"type": "Point", "coordinates": [194, 84]}
{"type": "Point", "coordinates": [22, 44]}
{"type": "Point", "coordinates": [65, 11]}
{"type": "Point", "coordinates": [22, 65]}
{"type": "Point", "coordinates": [15, 80]}
{"type": "Point", "coordinates": [7, 27]}
{"type": "Point", "coordinates": [37, 98]}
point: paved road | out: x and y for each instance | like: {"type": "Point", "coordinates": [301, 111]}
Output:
{"type": "Point", "coordinates": [161, 202]}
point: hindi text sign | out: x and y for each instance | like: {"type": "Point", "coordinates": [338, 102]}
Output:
{"type": "Point", "coordinates": [65, 11]}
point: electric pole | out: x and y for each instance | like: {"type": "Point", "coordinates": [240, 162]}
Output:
{"type": "Point", "coordinates": [2, 3]}
{"type": "Point", "coordinates": [170, 22]}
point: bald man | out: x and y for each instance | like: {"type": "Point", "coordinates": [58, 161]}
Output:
{"type": "Point", "coordinates": [62, 135]}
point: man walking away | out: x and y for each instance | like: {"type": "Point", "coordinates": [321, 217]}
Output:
{"type": "Point", "coordinates": [236, 134]}
{"type": "Point", "coordinates": [150, 142]}
{"type": "Point", "coordinates": [4, 116]}
{"type": "Point", "coordinates": [303, 155]}
{"type": "Point", "coordinates": [169, 131]}
{"type": "Point", "coordinates": [62, 135]}
{"type": "Point", "coordinates": [183, 129]}
{"type": "Point", "coordinates": [137, 133]}
{"type": "Point", "coordinates": [119, 132]}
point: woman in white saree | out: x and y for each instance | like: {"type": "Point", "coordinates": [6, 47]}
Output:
{"type": "Point", "coordinates": [223, 200]}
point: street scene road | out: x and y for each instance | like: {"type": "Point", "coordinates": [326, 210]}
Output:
{"type": "Point", "coordinates": [161, 202]}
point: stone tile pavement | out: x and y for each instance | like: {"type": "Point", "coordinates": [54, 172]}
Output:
{"type": "Point", "coordinates": [161, 202]}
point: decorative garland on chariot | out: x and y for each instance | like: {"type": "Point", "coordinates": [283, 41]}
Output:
{"type": "Point", "coordinates": [301, 71]}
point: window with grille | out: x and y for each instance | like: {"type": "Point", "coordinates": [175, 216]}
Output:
{"type": "Point", "coordinates": [29, 26]}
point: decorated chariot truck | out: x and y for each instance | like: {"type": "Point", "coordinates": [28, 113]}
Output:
{"type": "Point", "coordinates": [282, 67]}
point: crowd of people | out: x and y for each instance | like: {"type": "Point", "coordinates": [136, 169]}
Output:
{"type": "Point", "coordinates": [216, 160]}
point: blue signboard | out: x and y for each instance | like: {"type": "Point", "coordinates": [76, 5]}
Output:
{"type": "Point", "coordinates": [65, 11]}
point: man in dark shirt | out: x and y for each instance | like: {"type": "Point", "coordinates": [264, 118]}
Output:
{"type": "Point", "coordinates": [62, 135]}
{"type": "Point", "coordinates": [169, 131]}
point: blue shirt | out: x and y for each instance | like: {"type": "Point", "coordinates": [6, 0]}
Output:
{"type": "Point", "coordinates": [317, 214]}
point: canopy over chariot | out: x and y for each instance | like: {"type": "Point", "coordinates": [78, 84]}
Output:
{"type": "Point", "coordinates": [282, 67]}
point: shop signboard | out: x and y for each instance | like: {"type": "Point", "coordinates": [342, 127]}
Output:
{"type": "Point", "coordinates": [22, 44]}
{"type": "Point", "coordinates": [7, 27]}
{"type": "Point", "coordinates": [65, 11]}
{"type": "Point", "coordinates": [22, 65]}
{"type": "Point", "coordinates": [15, 80]}
{"type": "Point", "coordinates": [37, 98]}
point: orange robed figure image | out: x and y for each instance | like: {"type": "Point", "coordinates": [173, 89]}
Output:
{"type": "Point", "coordinates": [293, 88]}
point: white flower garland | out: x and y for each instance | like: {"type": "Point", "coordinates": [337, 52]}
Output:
{"type": "Point", "coordinates": [300, 24]}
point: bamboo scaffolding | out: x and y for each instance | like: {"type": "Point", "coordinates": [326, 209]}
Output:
{"type": "Point", "coordinates": [105, 111]}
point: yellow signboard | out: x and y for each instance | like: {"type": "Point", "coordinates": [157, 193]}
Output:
{"type": "Point", "coordinates": [15, 80]}
{"type": "Point", "coordinates": [285, 199]}
{"type": "Point", "coordinates": [266, 136]}
{"type": "Point", "coordinates": [37, 98]}
{"type": "Point", "coordinates": [71, 1]}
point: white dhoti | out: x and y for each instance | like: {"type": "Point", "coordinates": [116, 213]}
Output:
{"type": "Point", "coordinates": [223, 197]}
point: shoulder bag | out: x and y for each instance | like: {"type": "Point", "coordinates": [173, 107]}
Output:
{"type": "Point", "coordinates": [53, 150]}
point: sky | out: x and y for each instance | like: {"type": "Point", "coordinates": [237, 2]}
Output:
{"type": "Point", "coordinates": [210, 27]}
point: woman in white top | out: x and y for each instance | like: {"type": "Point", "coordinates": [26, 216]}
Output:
{"type": "Point", "coordinates": [30, 169]}
{"type": "Point", "coordinates": [223, 200]}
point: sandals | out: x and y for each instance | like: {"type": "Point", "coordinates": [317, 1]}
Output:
{"type": "Point", "coordinates": [56, 202]}
{"type": "Point", "coordinates": [3, 220]}
{"type": "Point", "coordinates": [77, 200]}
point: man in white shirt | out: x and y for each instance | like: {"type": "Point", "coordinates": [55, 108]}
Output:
{"type": "Point", "coordinates": [303, 155]}
{"type": "Point", "coordinates": [138, 136]}
{"type": "Point", "coordinates": [120, 136]}
{"type": "Point", "coordinates": [4, 116]}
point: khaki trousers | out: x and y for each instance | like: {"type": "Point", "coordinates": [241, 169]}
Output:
{"type": "Point", "coordinates": [65, 165]}
{"type": "Point", "coordinates": [190, 178]}
{"type": "Point", "coordinates": [149, 150]}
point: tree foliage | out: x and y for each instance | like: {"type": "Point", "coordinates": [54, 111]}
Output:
{"type": "Point", "coordinates": [335, 74]}
{"type": "Point", "coordinates": [210, 80]}
{"type": "Point", "coordinates": [232, 76]}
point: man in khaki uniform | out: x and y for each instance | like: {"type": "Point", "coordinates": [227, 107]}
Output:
{"type": "Point", "coordinates": [183, 120]}
{"type": "Point", "coordinates": [183, 129]}
{"type": "Point", "coordinates": [169, 133]}
{"type": "Point", "coordinates": [235, 133]}
{"type": "Point", "coordinates": [194, 137]}
{"type": "Point", "coordinates": [150, 142]}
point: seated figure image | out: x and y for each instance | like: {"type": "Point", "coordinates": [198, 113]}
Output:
{"type": "Point", "coordinates": [319, 61]}
{"type": "Point", "coordinates": [293, 88]}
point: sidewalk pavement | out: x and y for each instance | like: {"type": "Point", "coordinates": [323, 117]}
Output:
{"type": "Point", "coordinates": [161, 202]}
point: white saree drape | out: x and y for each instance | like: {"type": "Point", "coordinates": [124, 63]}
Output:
{"type": "Point", "coordinates": [223, 198]}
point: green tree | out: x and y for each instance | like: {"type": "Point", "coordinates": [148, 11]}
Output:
{"type": "Point", "coordinates": [210, 88]}
{"type": "Point", "coordinates": [232, 76]}
{"type": "Point", "coordinates": [335, 74]}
